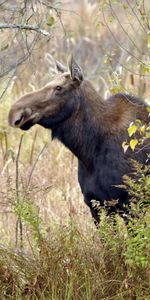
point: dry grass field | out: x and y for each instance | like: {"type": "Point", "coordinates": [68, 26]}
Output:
{"type": "Point", "coordinates": [49, 246]}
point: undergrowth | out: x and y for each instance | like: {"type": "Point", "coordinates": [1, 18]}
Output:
{"type": "Point", "coordinates": [69, 265]}
{"type": "Point", "coordinates": [63, 262]}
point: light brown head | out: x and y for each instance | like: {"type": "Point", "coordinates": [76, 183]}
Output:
{"type": "Point", "coordinates": [51, 104]}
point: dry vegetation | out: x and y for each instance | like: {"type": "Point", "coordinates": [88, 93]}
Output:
{"type": "Point", "coordinates": [49, 247]}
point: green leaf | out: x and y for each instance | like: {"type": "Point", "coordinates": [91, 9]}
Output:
{"type": "Point", "coordinates": [133, 144]}
{"type": "Point", "coordinates": [50, 21]}
{"type": "Point", "coordinates": [132, 129]}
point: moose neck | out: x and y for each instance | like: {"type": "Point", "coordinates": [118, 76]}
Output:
{"type": "Point", "coordinates": [82, 133]}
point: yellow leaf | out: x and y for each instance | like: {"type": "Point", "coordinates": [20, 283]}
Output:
{"type": "Point", "coordinates": [138, 121]}
{"type": "Point", "coordinates": [1, 136]}
{"type": "Point", "coordinates": [147, 135]}
{"type": "Point", "coordinates": [116, 89]}
{"type": "Point", "coordinates": [132, 129]}
{"type": "Point", "coordinates": [145, 68]}
{"type": "Point", "coordinates": [142, 129]}
{"type": "Point", "coordinates": [50, 21]}
{"type": "Point", "coordinates": [133, 144]}
{"type": "Point", "coordinates": [130, 17]}
{"type": "Point", "coordinates": [148, 41]}
{"type": "Point", "coordinates": [148, 108]}
{"type": "Point", "coordinates": [125, 6]}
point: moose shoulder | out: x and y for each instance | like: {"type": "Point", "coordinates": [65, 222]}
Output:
{"type": "Point", "coordinates": [92, 128]}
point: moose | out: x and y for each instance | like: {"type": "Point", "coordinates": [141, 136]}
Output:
{"type": "Point", "coordinates": [92, 128]}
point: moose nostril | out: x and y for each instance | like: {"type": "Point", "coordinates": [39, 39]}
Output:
{"type": "Point", "coordinates": [17, 122]}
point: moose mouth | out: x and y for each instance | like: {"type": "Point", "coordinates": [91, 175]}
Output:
{"type": "Point", "coordinates": [27, 125]}
{"type": "Point", "coordinates": [23, 121]}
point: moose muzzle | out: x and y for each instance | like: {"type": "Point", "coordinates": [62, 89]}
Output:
{"type": "Point", "coordinates": [17, 117]}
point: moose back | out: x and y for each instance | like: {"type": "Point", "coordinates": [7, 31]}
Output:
{"type": "Point", "coordinates": [92, 128]}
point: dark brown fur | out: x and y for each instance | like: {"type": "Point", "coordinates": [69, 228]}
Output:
{"type": "Point", "coordinates": [92, 128]}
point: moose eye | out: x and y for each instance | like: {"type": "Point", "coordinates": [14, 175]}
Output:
{"type": "Point", "coordinates": [58, 88]}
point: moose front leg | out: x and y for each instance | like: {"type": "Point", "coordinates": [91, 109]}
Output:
{"type": "Point", "coordinates": [96, 216]}
{"type": "Point", "coordinates": [94, 209]}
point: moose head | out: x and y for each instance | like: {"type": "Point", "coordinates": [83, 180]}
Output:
{"type": "Point", "coordinates": [51, 104]}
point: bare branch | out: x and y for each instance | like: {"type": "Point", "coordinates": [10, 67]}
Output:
{"type": "Point", "coordinates": [25, 27]}
{"type": "Point", "coordinates": [17, 166]}
{"type": "Point", "coordinates": [133, 11]}
{"type": "Point", "coordinates": [36, 161]}
{"type": "Point", "coordinates": [125, 31]}
{"type": "Point", "coordinates": [118, 43]}
{"type": "Point", "coordinates": [20, 61]}
{"type": "Point", "coordinates": [18, 222]}
{"type": "Point", "coordinates": [60, 9]}
{"type": "Point", "coordinates": [7, 85]}
{"type": "Point", "coordinates": [2, 2]}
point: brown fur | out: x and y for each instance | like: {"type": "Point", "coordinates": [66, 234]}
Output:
{"type": "Point", "coordinates": [91, 127]}
{"type": "Point", "coordinates": [112, 115]}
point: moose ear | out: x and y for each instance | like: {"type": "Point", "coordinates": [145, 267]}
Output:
{"type": "Point", "coordinates": [60, 67]}
{"type": "Point", "coordinates": [75, 71]}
